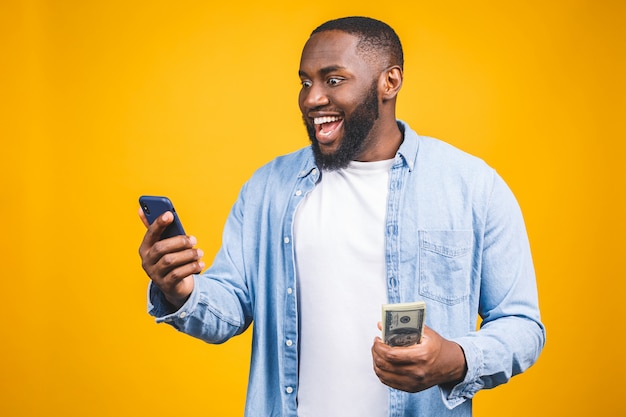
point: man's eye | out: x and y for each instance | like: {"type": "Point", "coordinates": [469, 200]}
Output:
{"type": "Point", "coordinates": [334, 81]}
{"type": "Point", "coordinates": [306, 84]}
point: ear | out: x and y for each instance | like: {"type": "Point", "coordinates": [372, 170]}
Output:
{"type": "Point", "coordinates": [391, 82]}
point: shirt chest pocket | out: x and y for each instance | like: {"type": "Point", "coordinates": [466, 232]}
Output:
{"type": "Point", "coordinates": [445, 265]}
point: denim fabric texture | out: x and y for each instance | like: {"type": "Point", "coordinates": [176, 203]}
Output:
{"type": "Point", "coordinates": [455, 238]}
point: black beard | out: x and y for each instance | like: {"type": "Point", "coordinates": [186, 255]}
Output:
{"type": "Point", "coordinates": [355, 131]}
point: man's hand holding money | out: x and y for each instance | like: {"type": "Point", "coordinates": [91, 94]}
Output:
{"type": "Point", "coordinates": [434, 361]}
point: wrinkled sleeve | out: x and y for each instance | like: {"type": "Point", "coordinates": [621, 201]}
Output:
{"type": "Point", "coordinates": [511, 334]}
{"type": "Point", "coordinates": [219, 306]}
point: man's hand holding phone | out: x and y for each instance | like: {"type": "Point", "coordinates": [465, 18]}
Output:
{"type": "Point", "coordinates": [169, 262]}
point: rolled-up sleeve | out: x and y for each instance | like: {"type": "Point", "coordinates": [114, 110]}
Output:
{"type": "Point", "coordinates": [511, 334]}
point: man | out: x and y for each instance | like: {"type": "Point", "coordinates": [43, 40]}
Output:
{"type": "Point", "coordinates": [371, 213]}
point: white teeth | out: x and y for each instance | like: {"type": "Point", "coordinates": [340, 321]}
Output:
{"type": "Point", "coordinates": [325, 119]}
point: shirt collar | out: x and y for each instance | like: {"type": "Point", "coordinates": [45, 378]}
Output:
{"type": "Point", "coordinates": [407, 153]}
{"type": "Point", "coordinates": [309, 167]}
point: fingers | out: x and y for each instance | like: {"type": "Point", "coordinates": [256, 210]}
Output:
{"type": "Point", "coordinates": [176, 262]}
{"type": "Point", "coordinates": [417, 367]}
{"type": "Point", "coordinates": [397, 354]}
{"type": "Point", "coordinates": [160, 222]}
{"type": "Point", "coordinates": [158, 226]}
{"type": "Point", "coordinates": [400, 367]}
{"type": "Point", "coordinates": [170, 264]}
{"type": "Point", "coordinates": [178, 283]}
{"type": "Point", "coordinates": [165, 257]}
{"type": "Point", "coordinates": [153, 234]}
{"type": "Point", "coordinates": [387, 371]}
{"type": "Point", "coordinates": [396, 359]}
{"type": "Point", "coordinates": [142, 216]}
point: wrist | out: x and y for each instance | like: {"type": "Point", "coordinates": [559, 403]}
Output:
{"type": "Point", "coordinates": [457, 365]}
{"type": "Point", "coordinates": [175, 303]}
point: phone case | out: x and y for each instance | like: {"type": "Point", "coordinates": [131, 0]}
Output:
{"type": "Point", "coordinates": [154, 206]}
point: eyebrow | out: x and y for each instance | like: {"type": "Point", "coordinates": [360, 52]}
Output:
{"type": "Point", "coordinates": [323, 71]}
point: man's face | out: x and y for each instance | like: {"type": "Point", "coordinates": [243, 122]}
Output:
{"type": "Point", "coordinates": [338, 99]}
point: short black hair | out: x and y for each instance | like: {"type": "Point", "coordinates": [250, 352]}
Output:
{"type": "Point", "coordinates": [377, 38]}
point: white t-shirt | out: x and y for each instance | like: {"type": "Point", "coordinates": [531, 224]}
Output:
{"type": "Point", "coordinates": [340, 256]}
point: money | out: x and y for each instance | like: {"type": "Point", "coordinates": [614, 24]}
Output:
{"type": "Point", "coordinates": [403, 323]}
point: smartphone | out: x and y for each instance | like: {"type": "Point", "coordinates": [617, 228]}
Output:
{"type": "Point", "coordinates": [154, 206]}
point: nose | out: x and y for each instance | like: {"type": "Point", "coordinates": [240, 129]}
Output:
{"type": "Point", "coordinates": [313, 97]}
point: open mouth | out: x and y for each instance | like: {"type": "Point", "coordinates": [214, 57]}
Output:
{"type": "Point", "coordinates": [326, 128]}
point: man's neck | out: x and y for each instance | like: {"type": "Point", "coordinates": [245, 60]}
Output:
{"type": "Point", "coordinates": [382, 143]}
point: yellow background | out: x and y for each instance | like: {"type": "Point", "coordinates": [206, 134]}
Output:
{"type": "Point", "coordinates": [102, 101]}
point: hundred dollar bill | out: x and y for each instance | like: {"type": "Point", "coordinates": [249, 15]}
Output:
{"type": "Point", "coordinates": [403, 323]}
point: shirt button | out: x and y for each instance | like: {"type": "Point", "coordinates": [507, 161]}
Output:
{"type": "Point", "coordinates": [289, 390]}
{"type": "Point", "coordinates": [289, 342]}
{"type": "Point", "coordinates": [392, 282]}
{"type": "Point", "coordinates": [286, 240]}
{"type": "Point", "coordinates": [183, 315]}
{"type": "Point", "coordinates": [299, 192]}
{"type": "Point", "coordinates": [289, 291]}
{"type": "Point", "coordinates": [314, 171]}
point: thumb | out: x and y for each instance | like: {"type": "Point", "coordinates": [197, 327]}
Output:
{"type": "Point", "coordinates": [158, 227]}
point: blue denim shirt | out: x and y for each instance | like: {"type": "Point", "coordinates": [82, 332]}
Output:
{"type": "Point", "coordinates": [455, 238]}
